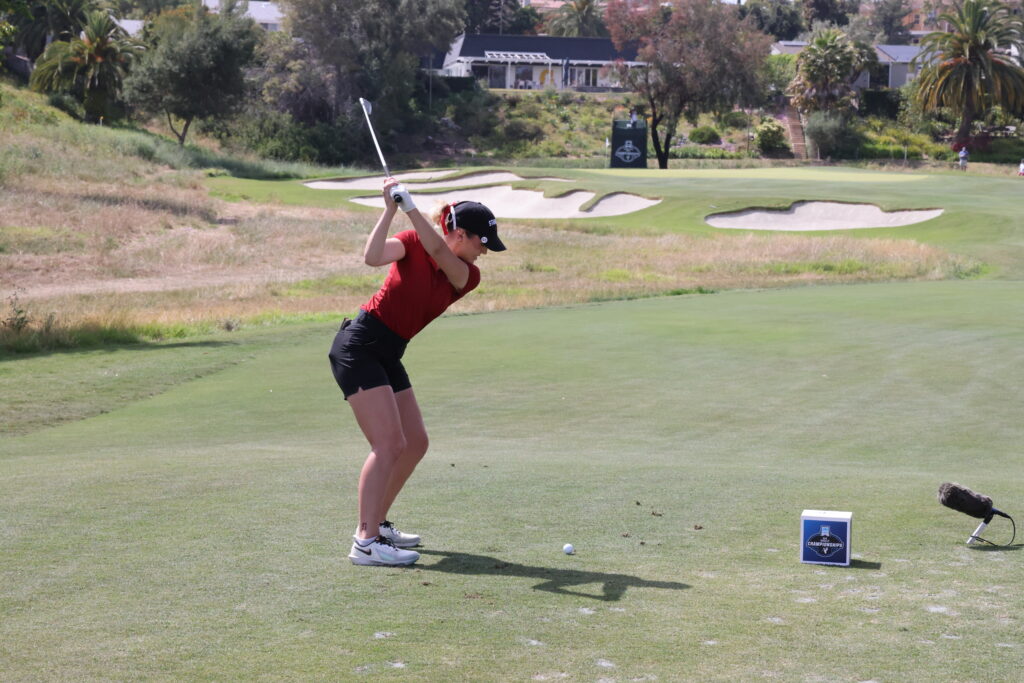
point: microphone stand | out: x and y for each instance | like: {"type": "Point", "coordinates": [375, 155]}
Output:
{"type": "Point", "coordinates": [976, 536]}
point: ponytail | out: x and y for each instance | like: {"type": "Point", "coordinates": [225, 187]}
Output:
{"type": "Point", "coordinates": [447, 217]}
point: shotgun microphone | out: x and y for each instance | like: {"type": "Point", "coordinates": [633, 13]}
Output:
{"type": "Point", "coordinates": [962, 499]}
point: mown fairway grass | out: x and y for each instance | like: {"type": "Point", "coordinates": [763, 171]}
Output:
{"type": "Point", "coordinates": [201, 533]}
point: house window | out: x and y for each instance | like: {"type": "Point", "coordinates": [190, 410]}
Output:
{"type": "Point", "coordinates": [494, 75]}
{"type": "Point", "coordinates": [524, 77]}
{"type": "Point", "coordinates": [583, 76]}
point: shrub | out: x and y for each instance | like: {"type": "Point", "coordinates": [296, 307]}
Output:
{"type": "Point", "coordinates": [883, 102]}
{"type": "Point", "coordinates": [68, 104]}
{"type": "Point", "coordinates": [736, 119]}
{"type": "Point", "coordinates": [832, 134]}
{"type": "Point", "coordinates": [473, 111]}
{"type": "Point", "coordinates": [695, 152]}
{"type": "Point", "coordinates": [770, 137]}
{"type": "Point", "coordinates": [882, 139]}
{"type": "Point", "coordinates": [522, 129]}
{"type": "Point", "coordinates": [705, 135]}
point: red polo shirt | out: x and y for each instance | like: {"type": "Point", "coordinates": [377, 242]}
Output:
{"type": "Point", "coordinates": [416, 290]}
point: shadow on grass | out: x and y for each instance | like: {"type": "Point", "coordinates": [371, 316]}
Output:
{"type": "Point", "coordinates": [553, 580]}
{"type": "Point", "coordinates": [997, 548]}
{"type": "Point", "coordinates": [861, 564]}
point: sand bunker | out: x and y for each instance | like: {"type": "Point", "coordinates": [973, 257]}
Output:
{"type": "Point", "coordinates": [412, 181]}
{"type": "Point", "coordinates": [504, 200]}
{"type": "Point", "coordinates": [819, 216]}
{"type": "Point", "coordinates": [507, 202]}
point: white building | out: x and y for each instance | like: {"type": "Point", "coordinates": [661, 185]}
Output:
{"type": "Point", "coordinates": [535, 62]}
{"type": "Point", "coordinates": [267, 14]}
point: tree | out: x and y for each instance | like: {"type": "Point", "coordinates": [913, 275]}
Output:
{"type": "Point", "coordinates": [969, 69]}
{"type": "Point", "coordinates": [826, 70]}
{"type": "Point", "coordinates": [777, 73]}
{"type": "Point", "coordinates": [48, 21]}
{"type": "Point", "coordinates": [9, 9]}
{"type": "Point", "coordinates": [375, 54]}
{"type": "Point", "coordinates": [577, 18]}
{"type": "Point", "coordinates": [197, 73]}
{"type": "Point", "coordinates": [525, 22]}
{"type": "Point", "coordinates": [700, 57]}
{"type": "Point", "coordinates": [497, 16]}
{"type": "Point", "coordinates": [887, 21]}
{"type": "Point", "coordinates": [836, 12]}
{"type": "Point", "coordinates": [779, 18]}
{"type": "Point", "coordinates": [94, 65]}
{"type": "Point", "coordinates": [291, 79]}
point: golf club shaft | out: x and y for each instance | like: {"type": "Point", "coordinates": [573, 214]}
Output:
{"type": "Point", "coordinates": [370, 124]}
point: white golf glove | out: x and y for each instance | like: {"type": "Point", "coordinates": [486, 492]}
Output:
{"type": "Point", "coordinates": [402, 198]}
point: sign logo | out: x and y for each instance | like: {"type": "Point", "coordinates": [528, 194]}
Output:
{"type": "Point", "coordinates": [628, 153]}
{"type": "Point", "coordinates": [825, 543]}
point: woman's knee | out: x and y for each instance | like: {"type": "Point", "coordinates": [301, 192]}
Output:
{"type": "Point", "coordinates": [390, 447]}
{"type": "Point", "coordinates": [416, 445]}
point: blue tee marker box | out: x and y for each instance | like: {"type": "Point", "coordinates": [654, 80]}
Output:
{"type": "Point", "coordinates": [825, 537]}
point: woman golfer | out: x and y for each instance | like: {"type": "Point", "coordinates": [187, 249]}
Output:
{"type": "Point", "coordinates": [429, 271]}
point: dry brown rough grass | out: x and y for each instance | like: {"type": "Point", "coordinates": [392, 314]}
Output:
{"type": "Point", "coordinates": [164, 251]}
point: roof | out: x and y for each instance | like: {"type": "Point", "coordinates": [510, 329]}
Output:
{"type": "Point", "coordinates": [132, 27]}
{"type": "Point", "coordinates": [901, 54]}
{"type": "Point", "coordinates": [260, 12]}
{"type": "Point", "coordinates": [556, 48]}
{"type": "Point", "coordinates": [543, 5]}
{"type": "Point", "coordinates": [265, 12]}
{"type": "Point", "coordinates": [788, 47]}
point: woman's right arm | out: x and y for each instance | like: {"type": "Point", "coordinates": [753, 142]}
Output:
{"type": "Point", "coordinates": [381, 250]}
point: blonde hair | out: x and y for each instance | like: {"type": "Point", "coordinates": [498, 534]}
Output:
{"type": "Point", "coordinates": [441, 213]}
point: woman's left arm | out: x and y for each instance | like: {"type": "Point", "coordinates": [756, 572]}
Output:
{"type": "Point", "coordinates": [454, 268]}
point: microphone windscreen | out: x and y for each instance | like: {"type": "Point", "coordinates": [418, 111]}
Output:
{"type": "Point", "coordinates": [962, 499]}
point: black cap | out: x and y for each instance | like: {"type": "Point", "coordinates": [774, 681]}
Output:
{"type": "Point", "coordinates": [476, 218]}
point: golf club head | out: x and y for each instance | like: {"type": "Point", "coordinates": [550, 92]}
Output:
{"type": "Point", "coordinates": [367, 106]}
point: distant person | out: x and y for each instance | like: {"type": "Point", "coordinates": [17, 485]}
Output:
{"type": "Point", "coordinates": [428, 273]}
{"type": "Point", "coordinates": [963, 158]}
{"type": "Point", "coordinates": [1020, 169]}
{"type": "Point", "coordinates": [632, 118]}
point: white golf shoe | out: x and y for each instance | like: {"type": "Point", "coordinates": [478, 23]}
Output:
{"type": "Point", "coordinates": [400, 539]}
{"type": "Point", "coordinates": [381, 552]}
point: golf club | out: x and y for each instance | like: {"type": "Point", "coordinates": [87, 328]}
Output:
{"type": "Point", "coordinates": [367, 109]}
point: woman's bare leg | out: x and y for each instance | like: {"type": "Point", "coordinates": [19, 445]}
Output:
{"type": "Point", "coordinates": [416, 443]}
{"type": "Point", "coordinates": [377, 413]}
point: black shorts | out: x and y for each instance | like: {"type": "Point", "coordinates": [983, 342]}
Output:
{"type": "Point", "coordinates": [367, 354]}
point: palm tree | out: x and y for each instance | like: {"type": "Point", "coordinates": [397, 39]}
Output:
{"type": "Point", "coordinates": [969, 69]}
{"type": "Point", "coordinates": [94, 64]}
{"type": "Point", "coordinates": [49, 21]}
{"type": "Point", "coordinates": [825, 72]}
{"type": "Point", "coordinates": [578, 18]}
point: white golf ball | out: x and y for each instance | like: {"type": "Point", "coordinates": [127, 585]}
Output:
{"type": "Point", "coordinates": [568, 549]}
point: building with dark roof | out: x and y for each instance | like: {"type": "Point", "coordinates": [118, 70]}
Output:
{"type": "Point", "coordinates": [900, 62]}
{"type": "Point", "coordinates": [536, 62]}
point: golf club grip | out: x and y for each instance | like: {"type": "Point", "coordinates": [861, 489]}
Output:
{"type": "Point", "coordinates": [396, 197]}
